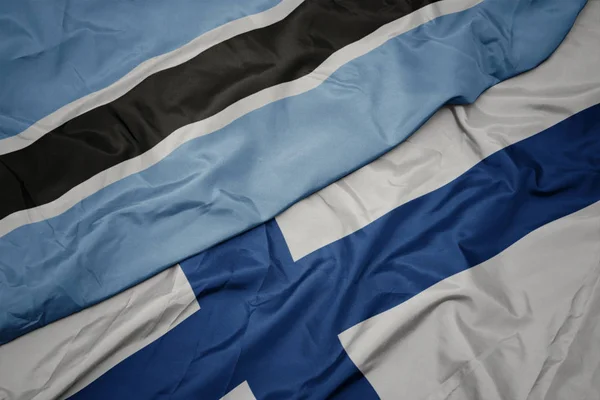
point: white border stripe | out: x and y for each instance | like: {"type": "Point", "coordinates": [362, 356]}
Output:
{"type": "Point", "coordinates": [452, 141]}
{"type": "Point", "coordinates": [59, 359]}
{"type": "Point", "coordinates": [231, 113]}
{"type": "Point", "coordinates": [500, 330]}
{"type": "Point", "coordinates": [145, 69]}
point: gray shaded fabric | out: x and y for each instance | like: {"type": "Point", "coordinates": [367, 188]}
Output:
{"type": "Point", "coordinates": [61, 358]}
{"type": "Point", "coordinates": [454, 140]}
{"type": "Point", "coordinates": [513, 327]}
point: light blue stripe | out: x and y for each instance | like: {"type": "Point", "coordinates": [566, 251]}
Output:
{"type": "Point", "coordinates": [60, 51]}
{"type": "Point", "coordinates": [285, 316]}
{"type": "Point", "coordinates": [224, 183]}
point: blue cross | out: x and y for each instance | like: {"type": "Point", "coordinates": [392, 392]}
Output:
{"type": "Point", "coordinates": [274, 323]}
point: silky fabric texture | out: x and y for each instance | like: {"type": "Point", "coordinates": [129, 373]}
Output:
{"type": "Point", "coordinates": [522, 325]}
{"type": "Point", "coordinates": [59, 359]}
{"type": "Point", "coordinates": [145, 69]}
{"type": "Point", "coordinates": [526, 103]}
{"type": "Point", "coordinates": [530, 289]}
{"type": "Point", "coordinates": [171, 143]}
{"type": "Point", "coordinates": [120, 248]}
{"type": "Point", "coordinates": [195, 90]}
{"type": "Point", "coordinates": [60, 51]}
{"type": "Point", "coordinates": [452, 141]}
{"type": "Point", "coordinates": [274, 322]}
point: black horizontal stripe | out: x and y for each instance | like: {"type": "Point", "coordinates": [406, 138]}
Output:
{"type": "Point", "coordinates": [201, 87]}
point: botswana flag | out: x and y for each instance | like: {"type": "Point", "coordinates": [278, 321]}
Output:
{"type": "Point", "coordinates": [281, 199]}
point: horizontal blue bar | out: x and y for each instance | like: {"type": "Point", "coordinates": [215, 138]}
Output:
{"type": "Point", "coordinates": [275, 323]}
{"type": "Point", "coordinates": [221, 184]}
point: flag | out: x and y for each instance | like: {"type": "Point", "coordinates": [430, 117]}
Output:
{"type": "Point", "coordinates": [300, 199]}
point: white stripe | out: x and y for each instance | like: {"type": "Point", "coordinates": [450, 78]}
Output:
{"type": "Point", "coordinates": [500, 330]}
{"type": "Point", "coordinates": [59, 359]}
{"type": "Point", "coordinates": [452, 141]}
{"type": "Point", "coordinates": [145, 69]}
{"type": "Point", "coordinates": [241, 392]}
{"type": "Point", "coordinates": [232, 113]}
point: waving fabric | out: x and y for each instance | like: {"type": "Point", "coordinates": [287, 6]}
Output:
{"type": "Point", "coordinates": [301, 199]}
{"type": "Point", "coordinates": [91, 214]}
